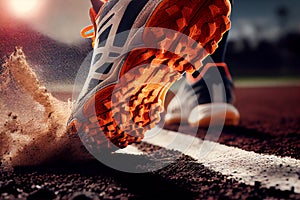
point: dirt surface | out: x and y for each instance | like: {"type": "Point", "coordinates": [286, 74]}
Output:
{"type": "Point", "coordinates": [269, 124]}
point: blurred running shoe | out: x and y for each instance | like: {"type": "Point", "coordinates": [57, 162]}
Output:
{"type": "Point", "coordinates": [124, 93]}
{"type": "Point", "coordinates": [205, 100]}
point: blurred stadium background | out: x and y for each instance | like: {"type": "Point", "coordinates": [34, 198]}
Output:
{"type": "Point", "coordinates": [264, 41]}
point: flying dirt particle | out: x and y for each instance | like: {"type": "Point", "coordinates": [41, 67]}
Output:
{"type": "Point", "coordinates": [32, 122]}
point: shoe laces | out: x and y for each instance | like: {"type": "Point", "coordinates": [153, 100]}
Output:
{"type": "Point", "coordinates": [88, 32]}
{"type": "Point", "coordinates": [203, 70]}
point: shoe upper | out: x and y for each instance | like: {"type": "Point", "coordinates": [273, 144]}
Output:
{"type": "Point", "coordinates": [212, 85]}
{"type": "Point", "coordinates": [115, 30]}
{"type": "Point", "coordinates": [215, 85]}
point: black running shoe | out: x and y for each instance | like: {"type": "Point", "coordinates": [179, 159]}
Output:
{"type": "Point", "coordinates": [205, 100]}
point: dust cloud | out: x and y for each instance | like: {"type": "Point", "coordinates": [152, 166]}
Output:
{"type": "Point", "coordinates": [33, 127]}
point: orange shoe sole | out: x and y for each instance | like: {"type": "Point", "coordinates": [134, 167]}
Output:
{"type": "Point", "coordinates": [122, 113]}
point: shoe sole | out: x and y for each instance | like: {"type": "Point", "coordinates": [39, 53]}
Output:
{"type": "Point", "coordinates": [171, 119]}
{"type": "Point", "coordinates": [214, 114]}
{"type": "Point", "coordinates": [126, 110]}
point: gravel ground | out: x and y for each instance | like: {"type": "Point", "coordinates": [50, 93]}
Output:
{"type": "Point", "coordinates": [269, 124]}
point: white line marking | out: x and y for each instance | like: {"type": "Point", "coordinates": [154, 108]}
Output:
{"type": "Point", "coordinates": [130, 150]}
{"type": "Point", "coordinates": [244, 166]}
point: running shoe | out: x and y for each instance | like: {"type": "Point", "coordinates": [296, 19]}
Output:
{"type": "Point", "coordinates": [124, 92]}
{"type": "Point", "coordinates": [205, 100]}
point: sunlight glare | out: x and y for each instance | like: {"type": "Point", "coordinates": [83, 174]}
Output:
{"type": "Point", "coordinates": [24, 8]}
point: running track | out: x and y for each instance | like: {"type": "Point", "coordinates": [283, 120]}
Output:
{"type": "Point", "coordinates": [258, 159]}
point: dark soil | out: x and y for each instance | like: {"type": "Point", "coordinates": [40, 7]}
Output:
{"type": "Point", "coordinates": [269, 124]}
